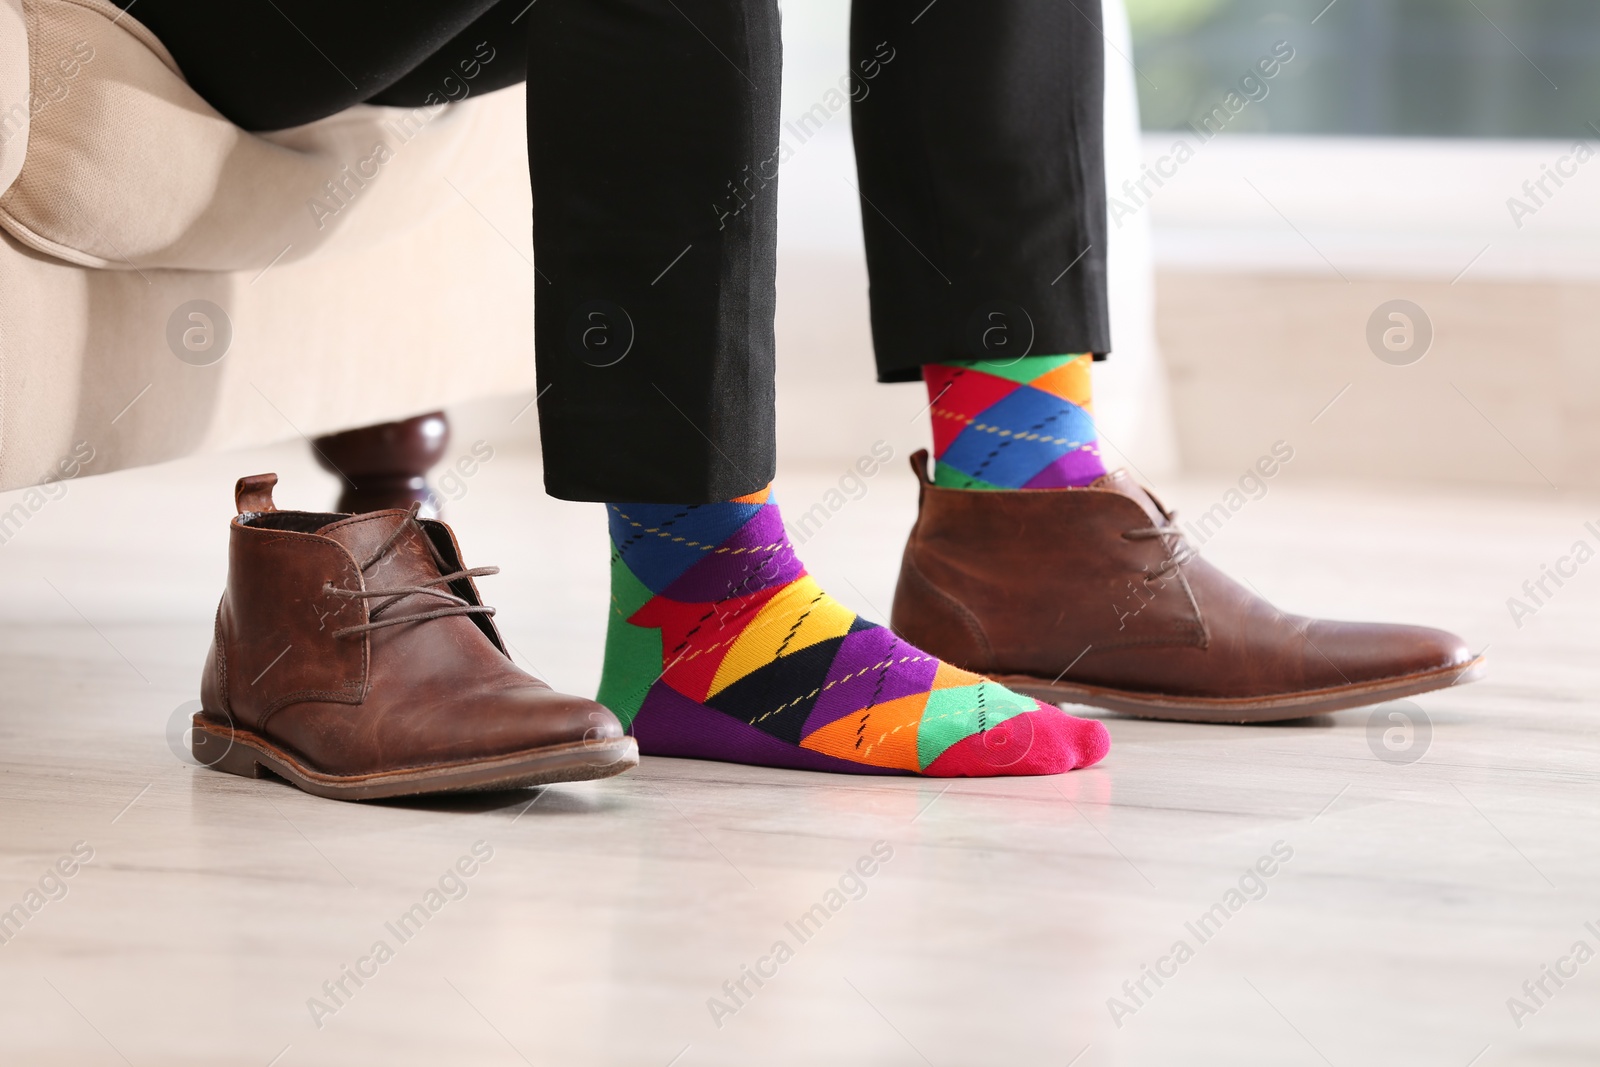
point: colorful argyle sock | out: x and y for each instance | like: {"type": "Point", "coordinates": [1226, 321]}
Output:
{"type": "Point", "coordinates": [1022, 425]}
{"type": "Point", "coordinates": [721, 646]}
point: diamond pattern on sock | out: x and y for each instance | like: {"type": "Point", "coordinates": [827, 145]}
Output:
{"type": "Point", "coordinates": [1026, 424]}
{"type": "Point", "coordinates": [721, 646]}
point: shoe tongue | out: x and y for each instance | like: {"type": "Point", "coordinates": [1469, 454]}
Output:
{"type": "Point", "coordinates": [406, 561]}
{"type": "Point", "coordinates": [1121, 483]}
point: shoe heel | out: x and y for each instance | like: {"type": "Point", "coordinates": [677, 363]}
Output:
{"type": "Point", "coordinates": [216, 748]}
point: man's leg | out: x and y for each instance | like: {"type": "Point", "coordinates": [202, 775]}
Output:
{"type": "Point", "coordinates": [653, 137]}
{"type": "Point", "coordinates": [272, 64]}
{"type": "Point", "coordinates": [978, 142]}
{"type": "Point", "coordinates": [656, 285]}
{"type": "Point", "coordinates": [979, 145]}
{"type": "Point", "coordinates": [978, 139]}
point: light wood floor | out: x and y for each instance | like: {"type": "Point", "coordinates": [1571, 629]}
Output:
{"type": "Point", "coordinates": [1418, 897]}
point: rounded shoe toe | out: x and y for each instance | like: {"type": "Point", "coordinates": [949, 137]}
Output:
{"type": "Point", "coordinates": [527, 718]}
{"type": "Point", "coordinates": [1367, 652]}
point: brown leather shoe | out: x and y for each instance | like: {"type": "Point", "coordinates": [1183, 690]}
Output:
{"type": "Point", "coordinates": [1091, 596]}
{"type": "Point", "coordinates": [353, 657]}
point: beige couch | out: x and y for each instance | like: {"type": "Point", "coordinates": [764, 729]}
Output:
{"type": "Point", "coordinates": [364, 268]}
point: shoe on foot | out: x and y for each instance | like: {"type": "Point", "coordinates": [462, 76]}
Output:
{"type": "Point", "coordinates": [1092, 596]}
{"type": "Point", "coordinates": [353, 658]}
{"type": "Point", "coordinates": [722, 647]}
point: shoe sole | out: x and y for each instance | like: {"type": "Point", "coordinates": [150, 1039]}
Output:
{"type": "Point", "coordinates": [1243, 709]}
{"type": "Point", "coordinates": [251, 756]}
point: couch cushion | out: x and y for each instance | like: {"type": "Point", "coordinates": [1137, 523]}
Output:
{"type": "Point", "coordinates": [127, 168]}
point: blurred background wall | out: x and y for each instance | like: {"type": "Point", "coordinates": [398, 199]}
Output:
{"type": "Point", "coordinates": [1431, 151]}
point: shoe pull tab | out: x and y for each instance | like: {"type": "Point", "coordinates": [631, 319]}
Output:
{"type": "Point", "coordinates": [254, 493]}
{"type": "Point", "coordinates": [919, 466]}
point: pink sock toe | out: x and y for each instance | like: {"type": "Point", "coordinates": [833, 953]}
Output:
{"type": "Point", "coordinates": [1045, 741]}
{"type": "Point", "coordinates": [1090, 740]}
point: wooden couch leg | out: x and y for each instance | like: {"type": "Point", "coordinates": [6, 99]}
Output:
{"type": "Point", "coordinates": [386, 466]}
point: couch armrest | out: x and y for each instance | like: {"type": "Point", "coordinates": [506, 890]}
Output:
{"type": "Point", "coordinates": [14, 100]}
{"type": "Point", "coordinates": [129, 169]}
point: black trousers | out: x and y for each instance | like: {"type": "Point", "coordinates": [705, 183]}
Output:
{"type": "Point", "coordinates": [654, 142]}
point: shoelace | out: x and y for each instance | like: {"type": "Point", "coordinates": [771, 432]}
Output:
{"type": "Point", "coordinates": [456, 606]}
{"type": "Point", "coordinates": [1178, 553]}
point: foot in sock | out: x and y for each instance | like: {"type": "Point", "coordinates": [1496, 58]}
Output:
{"type": "Point", "coordinates": [1026, 424]}
{"type": "Point", "coordinates": [721, 646]}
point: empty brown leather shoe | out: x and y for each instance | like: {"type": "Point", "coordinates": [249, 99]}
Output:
{"type": "Point", "coordinates": [353, 657]}
{"type": "Point", "coordinates": [1092, 596]}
